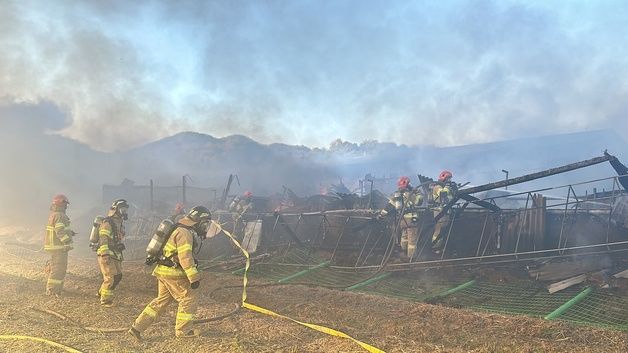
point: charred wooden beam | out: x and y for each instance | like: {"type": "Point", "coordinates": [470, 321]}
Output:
{"type": "Point", "coordinates": [621, 170]}
{"type": "Point", "coordinates": [542, 174]}
{"type": "Point", "coordinates": [480, 203]}
{"type": "Point", "coordinates": [566, 283]}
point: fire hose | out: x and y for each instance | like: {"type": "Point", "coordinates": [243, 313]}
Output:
{"type": "Point", "coordinates": [42, 340]}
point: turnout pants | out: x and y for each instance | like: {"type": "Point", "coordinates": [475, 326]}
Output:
{"type": "Point", "coordinates": [440, 231]}
{"type": "Point", "coordinates": [409, 238]}
{"type": "Point", "coordinates": [169, 290]}
{"type": "Point", "coordinates": [111, 270]}
{"type": "Point", "coordinates": [58, 266]}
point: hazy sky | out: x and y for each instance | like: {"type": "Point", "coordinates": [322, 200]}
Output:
{"type": "Point", "coordinates": [307, 72]}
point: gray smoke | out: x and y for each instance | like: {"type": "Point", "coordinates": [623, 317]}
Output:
{"type": "Point", "coordinates": [307, 72]}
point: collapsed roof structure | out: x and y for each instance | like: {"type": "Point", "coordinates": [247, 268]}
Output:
{"type": "Point", "coordinates": [549, 250]}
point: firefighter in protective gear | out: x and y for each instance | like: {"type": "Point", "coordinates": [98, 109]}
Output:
{"type": "Point", "coordinates": [109, 251]}
{"type": "Point", "coordinates": [57, 243]}
{"type": "Point", "coordinates": [179, 212]}
{"type": "Point", "coordinates": [442, 192]}
{"type": "Point", "coordinates": [241, 204]}
{"type": "Point", "coordinates": [404, 203]}
{"type": "Point", "coordinates": [178, 278]}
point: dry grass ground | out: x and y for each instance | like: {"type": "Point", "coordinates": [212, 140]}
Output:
{"type": "Point", "coordinates": [389, 324]}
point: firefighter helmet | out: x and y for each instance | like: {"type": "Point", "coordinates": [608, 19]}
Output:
{"type": "Point", "coordinates": [403, 182]}
{"type": "Point", "coordinates": [119, 203]}
{"type": "Point", "coordinates": [120, 206]}
{"type": "Point", "coordinates": [444, 175]}
{"type": "Point", "coordinates": [60, 200]}
{"type": "Point", "coordinates": [199, 214]}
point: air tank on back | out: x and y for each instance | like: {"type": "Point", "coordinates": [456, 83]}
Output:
{"type": "Point", "coordinates": [160, 237]}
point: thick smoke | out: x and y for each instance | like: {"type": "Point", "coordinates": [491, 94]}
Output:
{"type": "Point", "coordinates": [36, 164]}
{"type": "Point", "coordinates": [308, 72]}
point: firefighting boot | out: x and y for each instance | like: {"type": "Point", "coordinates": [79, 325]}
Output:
{"type": "Point", "coordinates": [135, 333]}
{"type": "Point", "coordinates": [189, 334]}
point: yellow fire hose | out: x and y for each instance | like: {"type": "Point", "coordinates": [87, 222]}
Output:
{"type": "Point", "coordinates": [38, 339]}
{"type": "Point", "coordinates": [258, 309]}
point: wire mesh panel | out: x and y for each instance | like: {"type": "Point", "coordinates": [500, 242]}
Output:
{"type": "Point", "coordinates": [601, 308]}
{"type": "Point", "coordinates": [415, 287]}
{"type": "Point", "coordinates": [526, 299]}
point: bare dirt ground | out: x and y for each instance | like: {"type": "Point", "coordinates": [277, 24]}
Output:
{"type": "Point", "coordinates": [389, 324]}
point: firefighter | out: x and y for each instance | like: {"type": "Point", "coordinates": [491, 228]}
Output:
{"type": "Point", "coordinates": [177, 275]}
{"type": "Point", "coordinates": [57, 243]}
{"type": "Point", "coordinates": [404, 203]}
{"type": "Point", "coordinates": [109, 251]}
{"type": "Point", "coordinates": [241, 204]}
{"type": "Point", "coordinates": [179, 212]}
{"type": "Point", "coordinates": [442, 192]}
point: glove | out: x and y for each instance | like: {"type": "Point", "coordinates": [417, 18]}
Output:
{"type": "Point", "coordinates": [195, 285]}
{"type": "Point", "coordinates": [120, 247]}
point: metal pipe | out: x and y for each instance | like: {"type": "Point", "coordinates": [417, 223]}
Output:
{"type": "Point", "coordinates": [575, 212]}
{"type": "Point", "coordinates": [496, 256]}
{"type": "Point", "coordinates": [522, 223]}
{"type": "Point", "coordinates": [571, 302]}
{"type": "Point", "coordinates": [301, 273]}
{"type": "Point", "coordinates": [342, 232]}
{"type": "Point", "coordinates": [368, 281]}
{"type": "Point", "coordinates": [538, 175]}
{"type": "Point", "coordinates": [451, 225]}
{"type": "Point", "coordinates": [364, 246]}
{"type": "Point", "coordinates": [477, 253]}
{"type": "Point", "coordinates": [452, 290]}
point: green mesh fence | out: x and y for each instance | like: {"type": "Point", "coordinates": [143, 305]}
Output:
{"type": "Point", "coordinates": [599, 307]}
{"type": "Point", "coordinates": [510, 299]}
{"type": "Point", "coordinates": [406, 286]}
{"type": "Point", "coordinates": [602, 308]}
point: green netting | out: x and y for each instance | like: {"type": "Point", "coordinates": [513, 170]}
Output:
{"type": "Point", "coordinates": [415, 288]}
{"type": "Point", "coordinates": [297, 260]}
{"type": "Point", "coordinates": [600, 308]}
{"type": "Point", "coordinates": [604, 309]}
{"type": "Point", "coordinates": [334, 277]}
{"type": "Point", "coordinates": [510, 299]}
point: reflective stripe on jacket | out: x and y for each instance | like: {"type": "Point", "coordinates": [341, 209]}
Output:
{"type": "Point", "coordinates": [436, 193]}
{"type": "Point", "coordinates": [179, 248]}
{"type": "Point", "coordinates": [58, 232]}
{"type": "Point", "coordinates": [404, 199]}
{"type": "Point", "coordinates": [110, 234]}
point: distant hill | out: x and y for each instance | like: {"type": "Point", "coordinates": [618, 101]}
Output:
{"type": "Point", "coordinates": [38, 164]}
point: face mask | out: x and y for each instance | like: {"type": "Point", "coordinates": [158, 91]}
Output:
{"type": "Point", "coordinates": [124, 214]}
{"type": "Point", "coordinates": [203, 227]}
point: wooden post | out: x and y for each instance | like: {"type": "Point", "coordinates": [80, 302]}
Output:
{"type": "Point", "coordinates": [183, 199]}
{"type": "Point", "coordinates": [152, 195]}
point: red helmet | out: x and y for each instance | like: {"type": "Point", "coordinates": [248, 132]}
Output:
{"type": "Point", "coordinates": [403, 182]}
{"type": "Point", "coordinates": [60, 200]}
{"type": "Point", "coordinates": [248, 194]}
{"type": "Point", "coordinates": [179, 208]}
{"type": "Point", "coordinates": [444, 175]}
